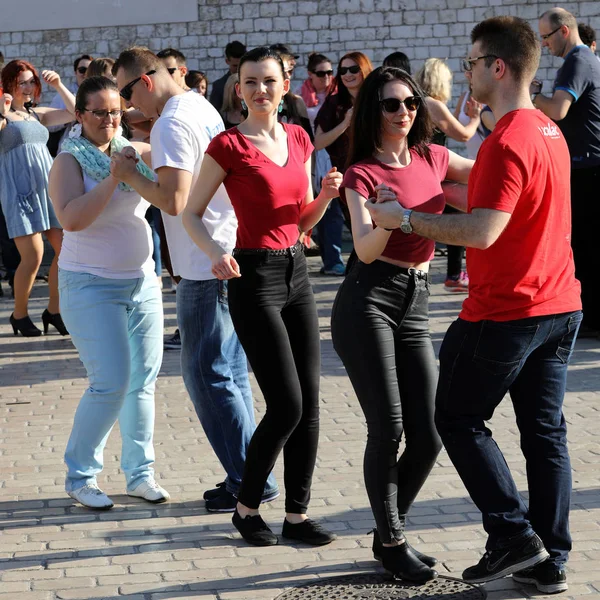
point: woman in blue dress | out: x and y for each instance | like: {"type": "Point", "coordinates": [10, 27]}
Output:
{"type": "Point", "coordinates": [24, 166]}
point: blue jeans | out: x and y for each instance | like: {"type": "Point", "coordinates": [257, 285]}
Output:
{"type": "Point", "coordinates": [528, 358]}
{"type": "Point", "coordinates": [215, 373]}
{"type": "Point", "coordinates": [329, 235]}
{"type": "Point", "coordinates": [117, 328]}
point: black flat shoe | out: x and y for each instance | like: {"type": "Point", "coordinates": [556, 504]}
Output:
{"type": "Point", "coordinates": [25, 326]}
{"type": "Point", "coordinates": [308, 531]}
{"type": "Point", "coordinates": [254, 530]}
{"type": "Point", "coordinates": [430, 561]}
{"type": "Point", "coordinates": [402, 563]}
{"type": "Point", "coordinates": [53, 319]}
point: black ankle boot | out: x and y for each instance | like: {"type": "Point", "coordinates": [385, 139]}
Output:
{"type": "Point", "coordinates": [25, 326]}
{"type": "Point", "coordinates": [53, 319]}
{"type": "Point", "coordinates": [429, 561]}
{"type": "Point", "coordinates": [402, 563]}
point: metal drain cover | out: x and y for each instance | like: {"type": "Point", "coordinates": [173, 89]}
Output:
{"type": "Point", "coordinates": [376, 586]}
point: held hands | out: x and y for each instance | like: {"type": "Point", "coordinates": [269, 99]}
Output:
{"type": "Point", "coordinates": [224, 266]}
{"type": "Point", "coordinates": [535, 87]}
{"type": "Point", "coordinates": [330, 184]}
{"type": "Point", "coordinates": [348, 118]}
{"type": "Point", "coordinates": [5, 102]}
{"type": "Point", "coordinates": [387, 215]}
{"type": "Point", "coordinates": [51, 78]}
{"type": "Point", "coordinates": [473, 108]}
{"type": "Point", "coordinates": [383, 193]}
{"type": "Point", "coordinates": [123, 164]}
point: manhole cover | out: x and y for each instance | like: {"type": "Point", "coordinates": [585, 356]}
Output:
{"type": "Point", "coordinates": [375, 586]}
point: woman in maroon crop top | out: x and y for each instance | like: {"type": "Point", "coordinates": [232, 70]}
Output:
{"type": "Point", "coordinates": [265, 167]}
{"type": "Point", "coordinates": [380, 323]}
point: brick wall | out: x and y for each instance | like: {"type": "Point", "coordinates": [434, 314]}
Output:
{"type": "Point", "coordinates": [420, 28]}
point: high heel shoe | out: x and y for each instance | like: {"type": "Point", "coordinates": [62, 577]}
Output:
{"type": "Point", "coordinates": [25, 326]}
{"type": "Point", "coordinates": [402, 563]}
{"type": "Point", "coordinates": [53, 319]}
{"type": "Point", "coordinates": [430, 561]}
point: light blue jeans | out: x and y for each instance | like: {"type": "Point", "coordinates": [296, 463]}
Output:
{"type": "Point", "coordinates": [117, 327]}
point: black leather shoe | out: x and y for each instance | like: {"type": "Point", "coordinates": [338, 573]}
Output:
{"type": "Point", "coordinates": [308, 531]}
{"type": "Point", "coordinates": [254, 530]}
{"type": "Point", "coordinates": [402, 563]}
{"type": "Point", "coordinates": [25, 326]}
{"type": "Point", "coordinates": [430, 561]}
{"type": "Point", "coordinates": [53, 319]}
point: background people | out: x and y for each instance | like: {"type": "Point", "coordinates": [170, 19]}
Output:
{"type": "Point", "coordinates": [174, 61]}
{"type": "Point", "coordinates": [233, 52]}
{"type": "Point", "coordinates": [197, 81]}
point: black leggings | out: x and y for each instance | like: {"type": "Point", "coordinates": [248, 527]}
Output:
{"type": "Point", "coordinates": [275, 316]}
{"type": "Point", "coordinates": [380, 329]}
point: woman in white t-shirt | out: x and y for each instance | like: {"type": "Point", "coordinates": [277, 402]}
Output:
{"type": "Point", "coordinates": [110, 298]}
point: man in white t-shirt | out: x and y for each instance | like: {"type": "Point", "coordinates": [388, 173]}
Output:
{"type": "Point", "coordinates": [213, 364]}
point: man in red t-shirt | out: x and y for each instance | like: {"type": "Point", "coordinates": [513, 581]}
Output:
{"type": "Point", "coordinates": [518, 325]}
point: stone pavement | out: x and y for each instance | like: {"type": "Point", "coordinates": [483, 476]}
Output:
{"type": "Point", "coordinates": [51, 548]}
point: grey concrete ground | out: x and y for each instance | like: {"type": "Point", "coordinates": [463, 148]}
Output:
{"type": "Point", "coordinates": [51, 548]}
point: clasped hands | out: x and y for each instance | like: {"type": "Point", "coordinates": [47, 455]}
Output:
{"type": "Point", "coordinates": [385, 209]}
{"type": "Point", "coordinates": [123, 164]}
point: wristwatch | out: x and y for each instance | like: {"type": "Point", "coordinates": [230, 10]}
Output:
{"type": "Point", "coordinates": [405, 226]}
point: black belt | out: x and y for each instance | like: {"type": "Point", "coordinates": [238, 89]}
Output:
{"type": "Point", "coordinates": [291, 251]}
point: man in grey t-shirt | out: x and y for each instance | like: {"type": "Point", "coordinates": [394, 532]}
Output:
{"type": "Point", "coordinates": [575, 106]}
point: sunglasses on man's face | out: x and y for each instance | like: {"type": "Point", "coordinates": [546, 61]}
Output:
{"type": "Point", "coordinates": [322, 74]}
{"type": "Point", "coordinates": [127, 90]}
{"type": "Point", "coordinates": [392, 105]}
{"type": "Point", "coordinates": [81, 70]}
{"type": "Point", "coordinates": [171, 70]}
{"type": "Point", "coordinates": [354, 69]}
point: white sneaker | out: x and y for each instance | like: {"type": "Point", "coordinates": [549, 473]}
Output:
{"type": "Point", "coordinates": [150, 490]}
{"type": "Point", "coordinates": [92, 496]}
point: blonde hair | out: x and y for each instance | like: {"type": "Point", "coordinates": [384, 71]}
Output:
{"type": "Point", "coordinates": [435, 78]}
{"type": "Point", "coordinates": [230, 98]}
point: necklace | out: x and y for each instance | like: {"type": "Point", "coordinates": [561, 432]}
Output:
{"type": "Point", "coordinates": [24, 114]}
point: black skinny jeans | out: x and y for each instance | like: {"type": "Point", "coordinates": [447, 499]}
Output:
{"type": "Point", "coordinates": [380, 330]}
{"type": "Point", "coordinates": [275, 316]}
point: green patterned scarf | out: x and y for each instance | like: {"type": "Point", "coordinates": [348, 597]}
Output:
{"type": "Point", "coordinates": [96, 164]}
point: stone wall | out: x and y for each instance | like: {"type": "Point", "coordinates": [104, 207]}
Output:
{"type": "Point", "coordinates": [420, 28]}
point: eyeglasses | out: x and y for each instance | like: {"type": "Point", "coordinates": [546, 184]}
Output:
{"type": "Point", "coordinates": [467, 63]}
{"type": "Point", "coordinates": [392, 105]}
{"type": "Point", "coordinates": [127, 90]}
{"type": "Point", "coordinates": [171, 70]}
{"type": "Point", "coordinates": [101, 114]}
{"type": "Point", "coordinates": [354, 69]}
{"type": "Point", "coordinates": [81, 70]}
{"type": "Point", "coordinates": [547, 35]}
{"type": "Point", "coordinates": [322, 74]}
{"type": "Point", "coordinates": [26, 83]}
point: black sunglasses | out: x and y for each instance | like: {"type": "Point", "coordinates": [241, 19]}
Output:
{"type": "Point", "coordinates": [322, 74]}
{"type": "Point", "coordinates": [172, 70]}
{"type": "Point", "coordinates": [81, 70]}
{"type": "Point", "coordinates": [127, 90]}
{"type": "Point", "coordinates": [354, 69]}
{"type": "Point", "coordinates": [392, 105]}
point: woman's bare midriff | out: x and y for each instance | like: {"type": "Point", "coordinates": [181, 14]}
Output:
{"type": "Point", "coordinates": [423, 266]}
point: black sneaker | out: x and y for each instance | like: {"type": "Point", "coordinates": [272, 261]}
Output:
{"type": "Point", "coordinates": [429, 561]}
{"type": "Point", "coordinates": [224, 502]}
{"type": "Point", "coordinates": [214, 492]}
{"type": "Point", "coordinates": [308, 531]}
{"type": "Point", "coordinates": [546, 577]}
{"type": "Point", "coordinates": [174, 342]}
{"type": "Point", "coordinates": [499, 563]}
{"type": "Point", "coordinates": [254, 530]}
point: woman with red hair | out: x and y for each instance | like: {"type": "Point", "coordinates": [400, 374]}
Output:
{"type": "Point", "coordinates": [331, 127]}
{"type": "Point", "coordinates": [24, 166]}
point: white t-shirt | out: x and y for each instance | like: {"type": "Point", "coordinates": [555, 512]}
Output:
{"type": "Point", "coordinates": [117, 245]}
{"type": "Point", "coordinates": [179, 139]}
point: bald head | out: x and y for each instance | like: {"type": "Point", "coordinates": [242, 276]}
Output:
{"type": "Point", "coordinates": [557, 17]}
{"type": "Point", "coordinates": [558, 31]}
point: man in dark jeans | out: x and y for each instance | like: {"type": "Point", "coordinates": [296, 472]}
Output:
{"type": "Point", "coordinates": [575, 106]}
{"type": "Point", "coordinates": [518, 325]}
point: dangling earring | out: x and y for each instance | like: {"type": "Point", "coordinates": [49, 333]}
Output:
{"type": "Point", "coordinates": [244, 106]}
{"type": "Point", "coordinates": [280, 108]}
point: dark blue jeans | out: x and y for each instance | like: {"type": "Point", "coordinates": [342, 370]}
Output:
{"type": "Point", "coordinates": [275, 316]}
{"type": "Point", "coordinates": [215, 373]}
{"type": "Point", "coordinates": [528, 358]}
{"type": "Point", "coordinates": [380, 330]}
{"type": "Point", "coordinates": [329, 235]}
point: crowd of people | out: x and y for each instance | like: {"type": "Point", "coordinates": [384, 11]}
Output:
{"type": "Point", "coordinates": [234, 184]}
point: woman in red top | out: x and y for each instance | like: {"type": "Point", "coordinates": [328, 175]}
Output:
{"type": "Point", "coordinates": [380, 322]}
{"type": "Point", "coordinates": [265, 166]}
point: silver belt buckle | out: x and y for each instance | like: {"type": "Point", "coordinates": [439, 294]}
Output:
{"type": "Point", "coordinates": [293, 250]}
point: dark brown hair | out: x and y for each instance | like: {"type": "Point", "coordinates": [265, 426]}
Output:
{"type": "Point", "coordinates": [91, 85]}
{"type": "Point", "coordinates": [99, 67]}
